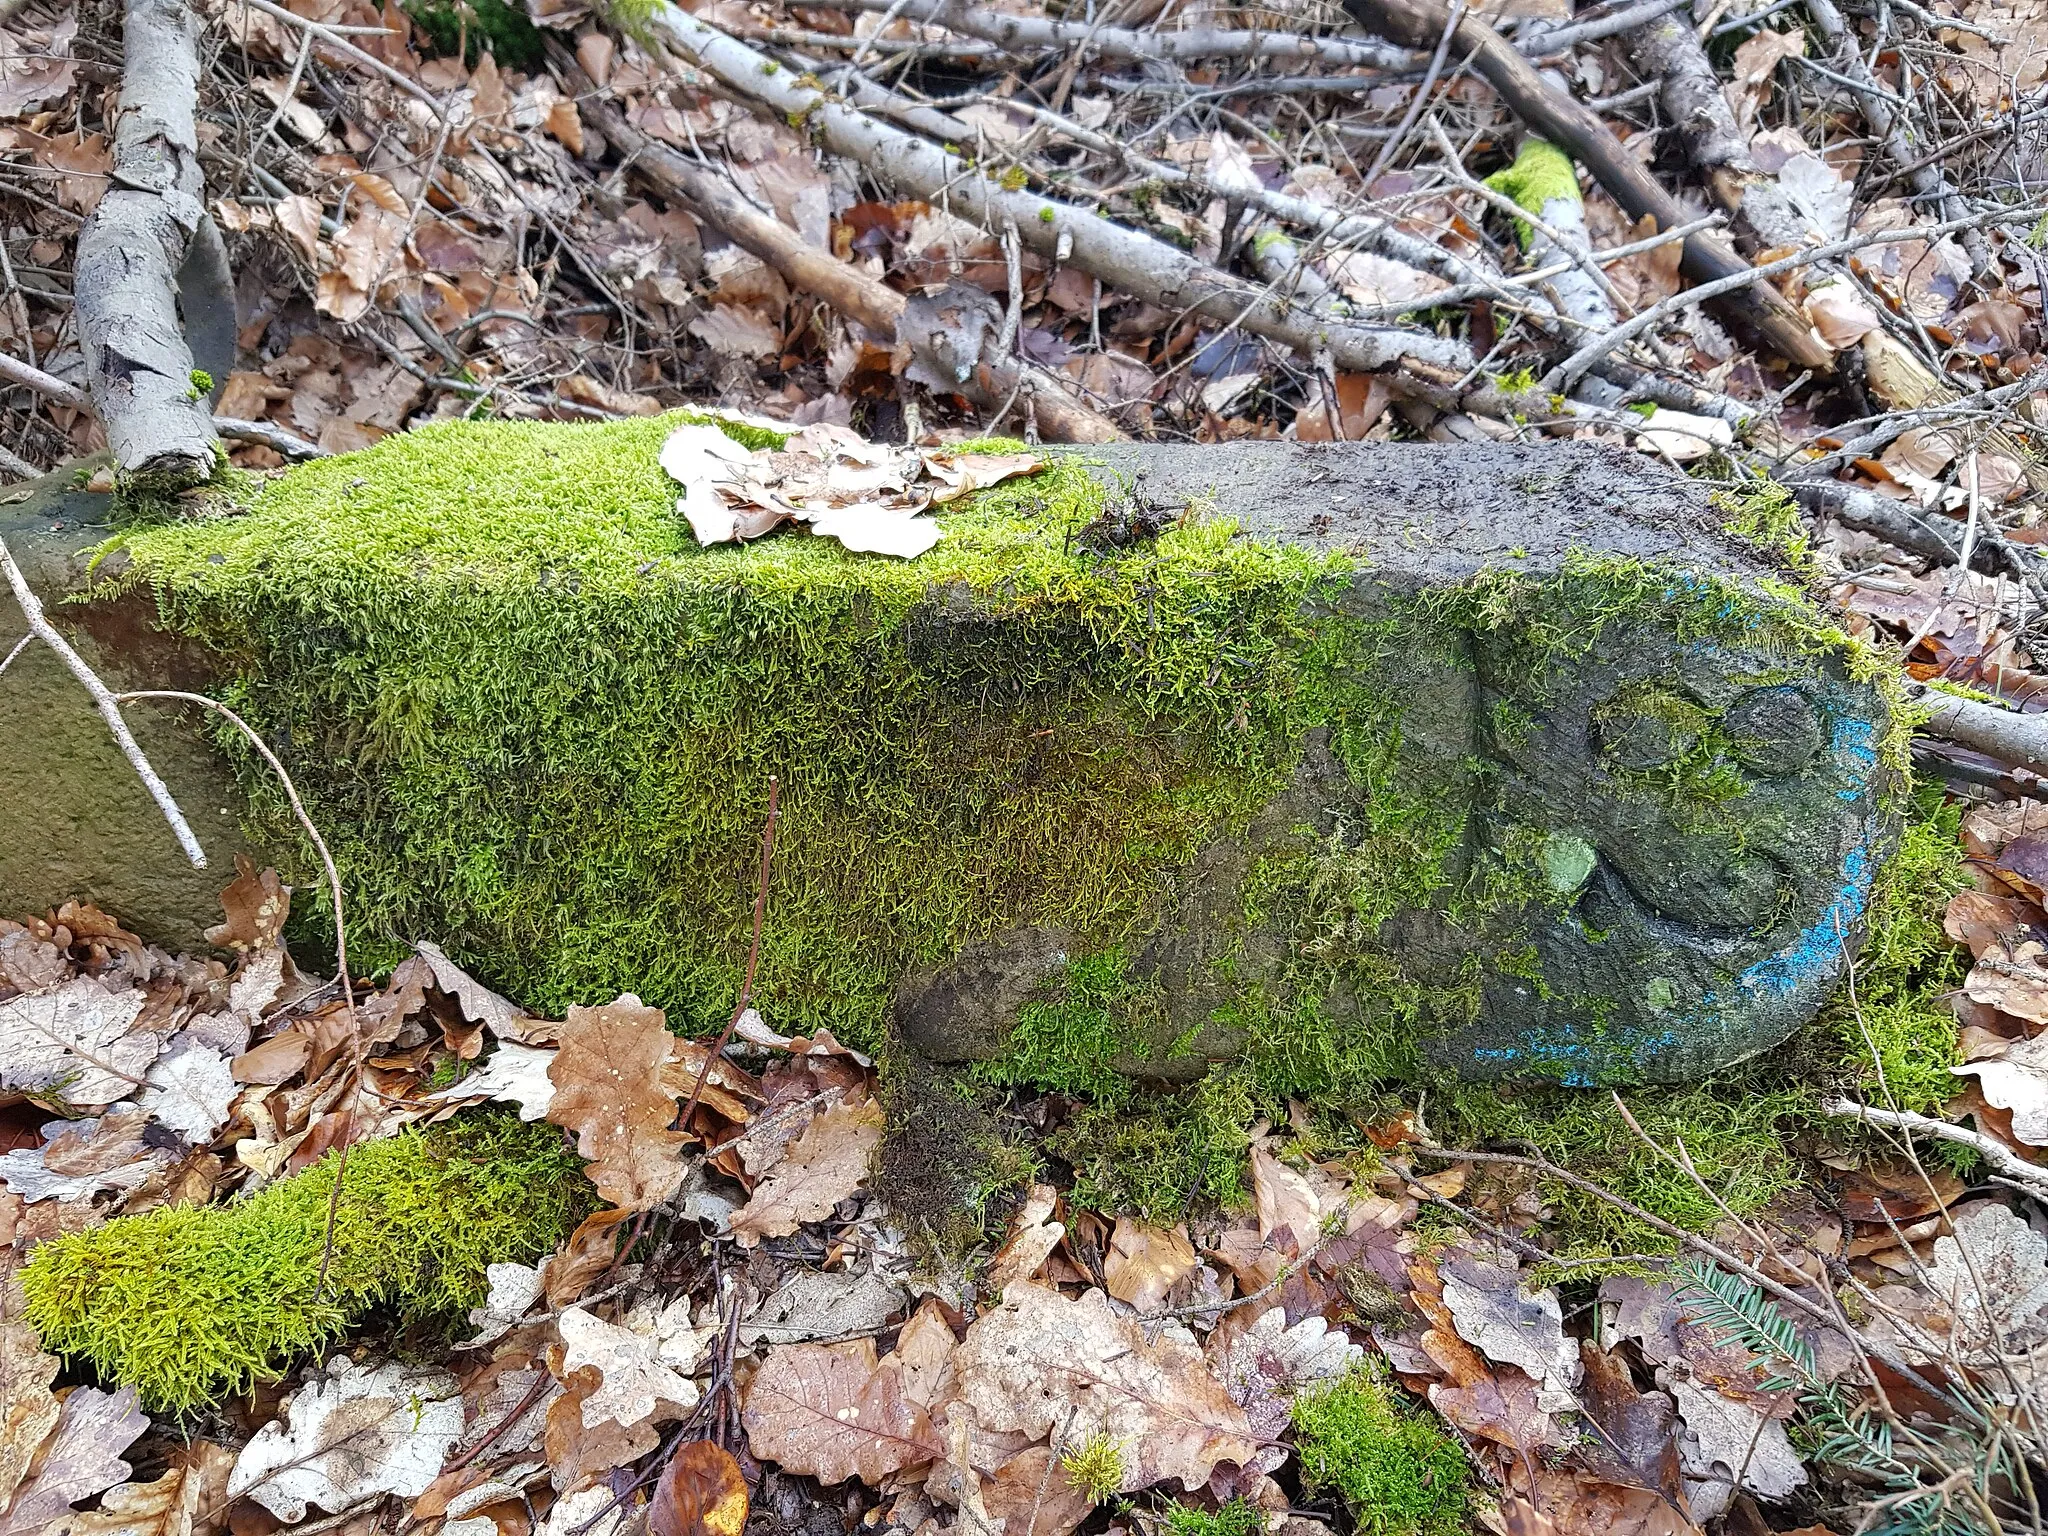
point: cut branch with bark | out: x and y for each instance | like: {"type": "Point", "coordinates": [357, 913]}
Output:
{"type": "Point", "coordinates": [1132, 262]}
{"type": "Point", "coordinates": [139, 369]}
{"type": "Point", "coordinates": [879, 309]}
{"type": "Point", "coordinates": [1577, 129]}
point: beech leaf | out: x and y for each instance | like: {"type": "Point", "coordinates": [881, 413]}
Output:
{"type": "Point", "coordinates": [701, 1493]}
{"type": "Point", "coordinates": [831, 1411]}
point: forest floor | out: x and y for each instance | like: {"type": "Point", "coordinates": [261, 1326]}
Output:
{"type": "Point", "coordinates": [1803, 1297]}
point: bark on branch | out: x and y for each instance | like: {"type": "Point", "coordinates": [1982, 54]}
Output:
{"type": "Point", "coordinates": [1575, 127]}
{"type": "Point", "coordinates": [138, 366]}
{"type": "Point", "coordinates": [1123, 258]}
{"type": "Point", "coordinates": [878, 307]}
{"type": "Point", "coordinates": [1019, 33]}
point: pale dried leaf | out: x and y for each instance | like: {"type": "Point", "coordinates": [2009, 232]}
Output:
{"type": "Point", "coordinates": [28, 1409]}
{"type": "Point", "coordinates": [1723, 1437]}
{"type": "Point", "coordinates": [82, 1459]}
{"type": "Point", "coordinates": [190, 1092]}
{"type": "Point", "coordinates": [1512, 1326]}
{"type": "Point", "coordinates": [644, 1364]}
{"type": "Point", "coordinates": [351, 1435]}
{"type": "Point", "coordinates": [72, 1045]}
{"type": "Point", "coordinates": [1041, 1362]}
{"type": "Point", "coordinates": [514, 1074]}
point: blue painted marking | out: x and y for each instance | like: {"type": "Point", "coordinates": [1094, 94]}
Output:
{"type": "Point", "coordinates": [1812, 956]}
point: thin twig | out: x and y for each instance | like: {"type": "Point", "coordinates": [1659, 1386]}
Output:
{"type": "Point", "coordinates": [107, 703]}
{"type": "Point", "coordinates": [348, 994]}
{"type": "Point", "coordinates": [753, 953]}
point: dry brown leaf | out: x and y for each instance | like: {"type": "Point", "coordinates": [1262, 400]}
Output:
{"type": "Point", "coordinates": [83, 1459]}
{"type": "Point", "coordinates": [1040, 1362]}
{"type": "Point", "coordinates": [28, 1409]}
{"type": "Point", "coordinates": [701, 1493]}
{"type": "Point", "coordinates": [1144, 1263]}
{"type": "Point", "coordinates": [1033, 1236]}
{"type": "Point", "coordinates": [173, 1505]}
{"type": "Point", "coordinates": [832, 1411]}
{"type": "Point", "coordinates": [608, 1090]}
{"type": "Point", "coordinates": [1286, 1203]}
{"type": "Point", "coordinates": [588, 1253]}
{"type": "Point", "coordinates": [825, 1165]}
{"type": "Point", "coordinates": [1032, 1496]}
{"type": "Point", "coordinates": [256, 904]}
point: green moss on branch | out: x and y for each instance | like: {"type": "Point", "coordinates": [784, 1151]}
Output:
{"type": "Point", "coordinates": [190, 1304]}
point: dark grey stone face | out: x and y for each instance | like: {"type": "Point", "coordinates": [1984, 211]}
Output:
{"type": "Point", "coordinates": [1699, 824]}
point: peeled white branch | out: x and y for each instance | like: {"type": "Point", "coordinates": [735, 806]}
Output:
{"type": "Point", "coordinates": [1124, 259]}
{"type": "Point", "coordinates": [138, 366]}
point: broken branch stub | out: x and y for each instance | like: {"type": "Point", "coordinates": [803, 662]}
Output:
{"type": "Point", "coordinates": [139, 367]}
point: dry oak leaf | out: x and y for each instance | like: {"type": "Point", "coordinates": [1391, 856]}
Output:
{"type": "Point", "coordinates": [701, 1493]}
{"type": "Point", "coordinates": [645, 1363]}
{"type": "Point", "coordinates": [824, 1165]}
{"type": "Point", "coordinates": [173, 1505]}
{"type": "Point", "coordinates": [28, 1409]}
{"type": "Point", "coordinates": [832, 1411]}
{"type": "Point", "coordinates": [1040, 1362]}
{"type": "Point", "coordinates": [351, 1436]}
{"type": "Point", "coordinates": [73, 1044]}
{"type": "Point", "coordinates": [83, 1459]}
{"type": "Point", "coordinates": [607, 1078]}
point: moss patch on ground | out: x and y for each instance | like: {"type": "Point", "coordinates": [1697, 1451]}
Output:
{"type": "Point", "coordinates": [1398, 1471]}
{"type": "Point", "coordinates": [191, 1304]}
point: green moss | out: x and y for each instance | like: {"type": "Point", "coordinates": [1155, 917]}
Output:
{"type": "Point", "coordinates": [1766, 516]}
{"type": "Point", "coordinates": [1896, 1028]}
{"type": "Point", "coordinates": [1165, 1153]}
{"type": "Point", "coordinates": [1074, 1042]}
{"type": "Point", "coordinates": [1733, 1128]}
{"type": "Point", "coordinates": [472, 28]}
{"type": "Point", "coordinates": [1240, 1517]}
{"type": "Point", "coordinates": [190, 1304]}
{"type": "Point", "coordinates": [1399, 1473]}
{"type": "Point", "coordinates": [531, 715]}
{"type": "Point", "coordinates": [1541, 173]}
{"type": "Point", "coordinates": [1095, 1466]}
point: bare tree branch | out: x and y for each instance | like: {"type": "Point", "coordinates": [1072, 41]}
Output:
{"type": "Point", "coordinates": [137, 363]}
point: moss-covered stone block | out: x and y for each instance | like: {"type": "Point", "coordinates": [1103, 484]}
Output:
{"type": "Point", "coordinates": [1349, 762]}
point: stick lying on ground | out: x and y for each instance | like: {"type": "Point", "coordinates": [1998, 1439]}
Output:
{"type": "Point", "coordinates": [138, 367]}
{"type": "Point", "coordinates": [878, 307]}
{"type": "Point", "coordinates": [1019, 33]}
{"type": "Point", "coordinates": [1136, 264]}
{"type": "Point", "coordinates": [1575, 128]}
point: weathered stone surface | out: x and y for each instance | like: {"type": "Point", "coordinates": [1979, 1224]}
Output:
{"type": "Point", "coordinates": [75, 822]}
{"type": "Point", "coordinates": [1512, 755]}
